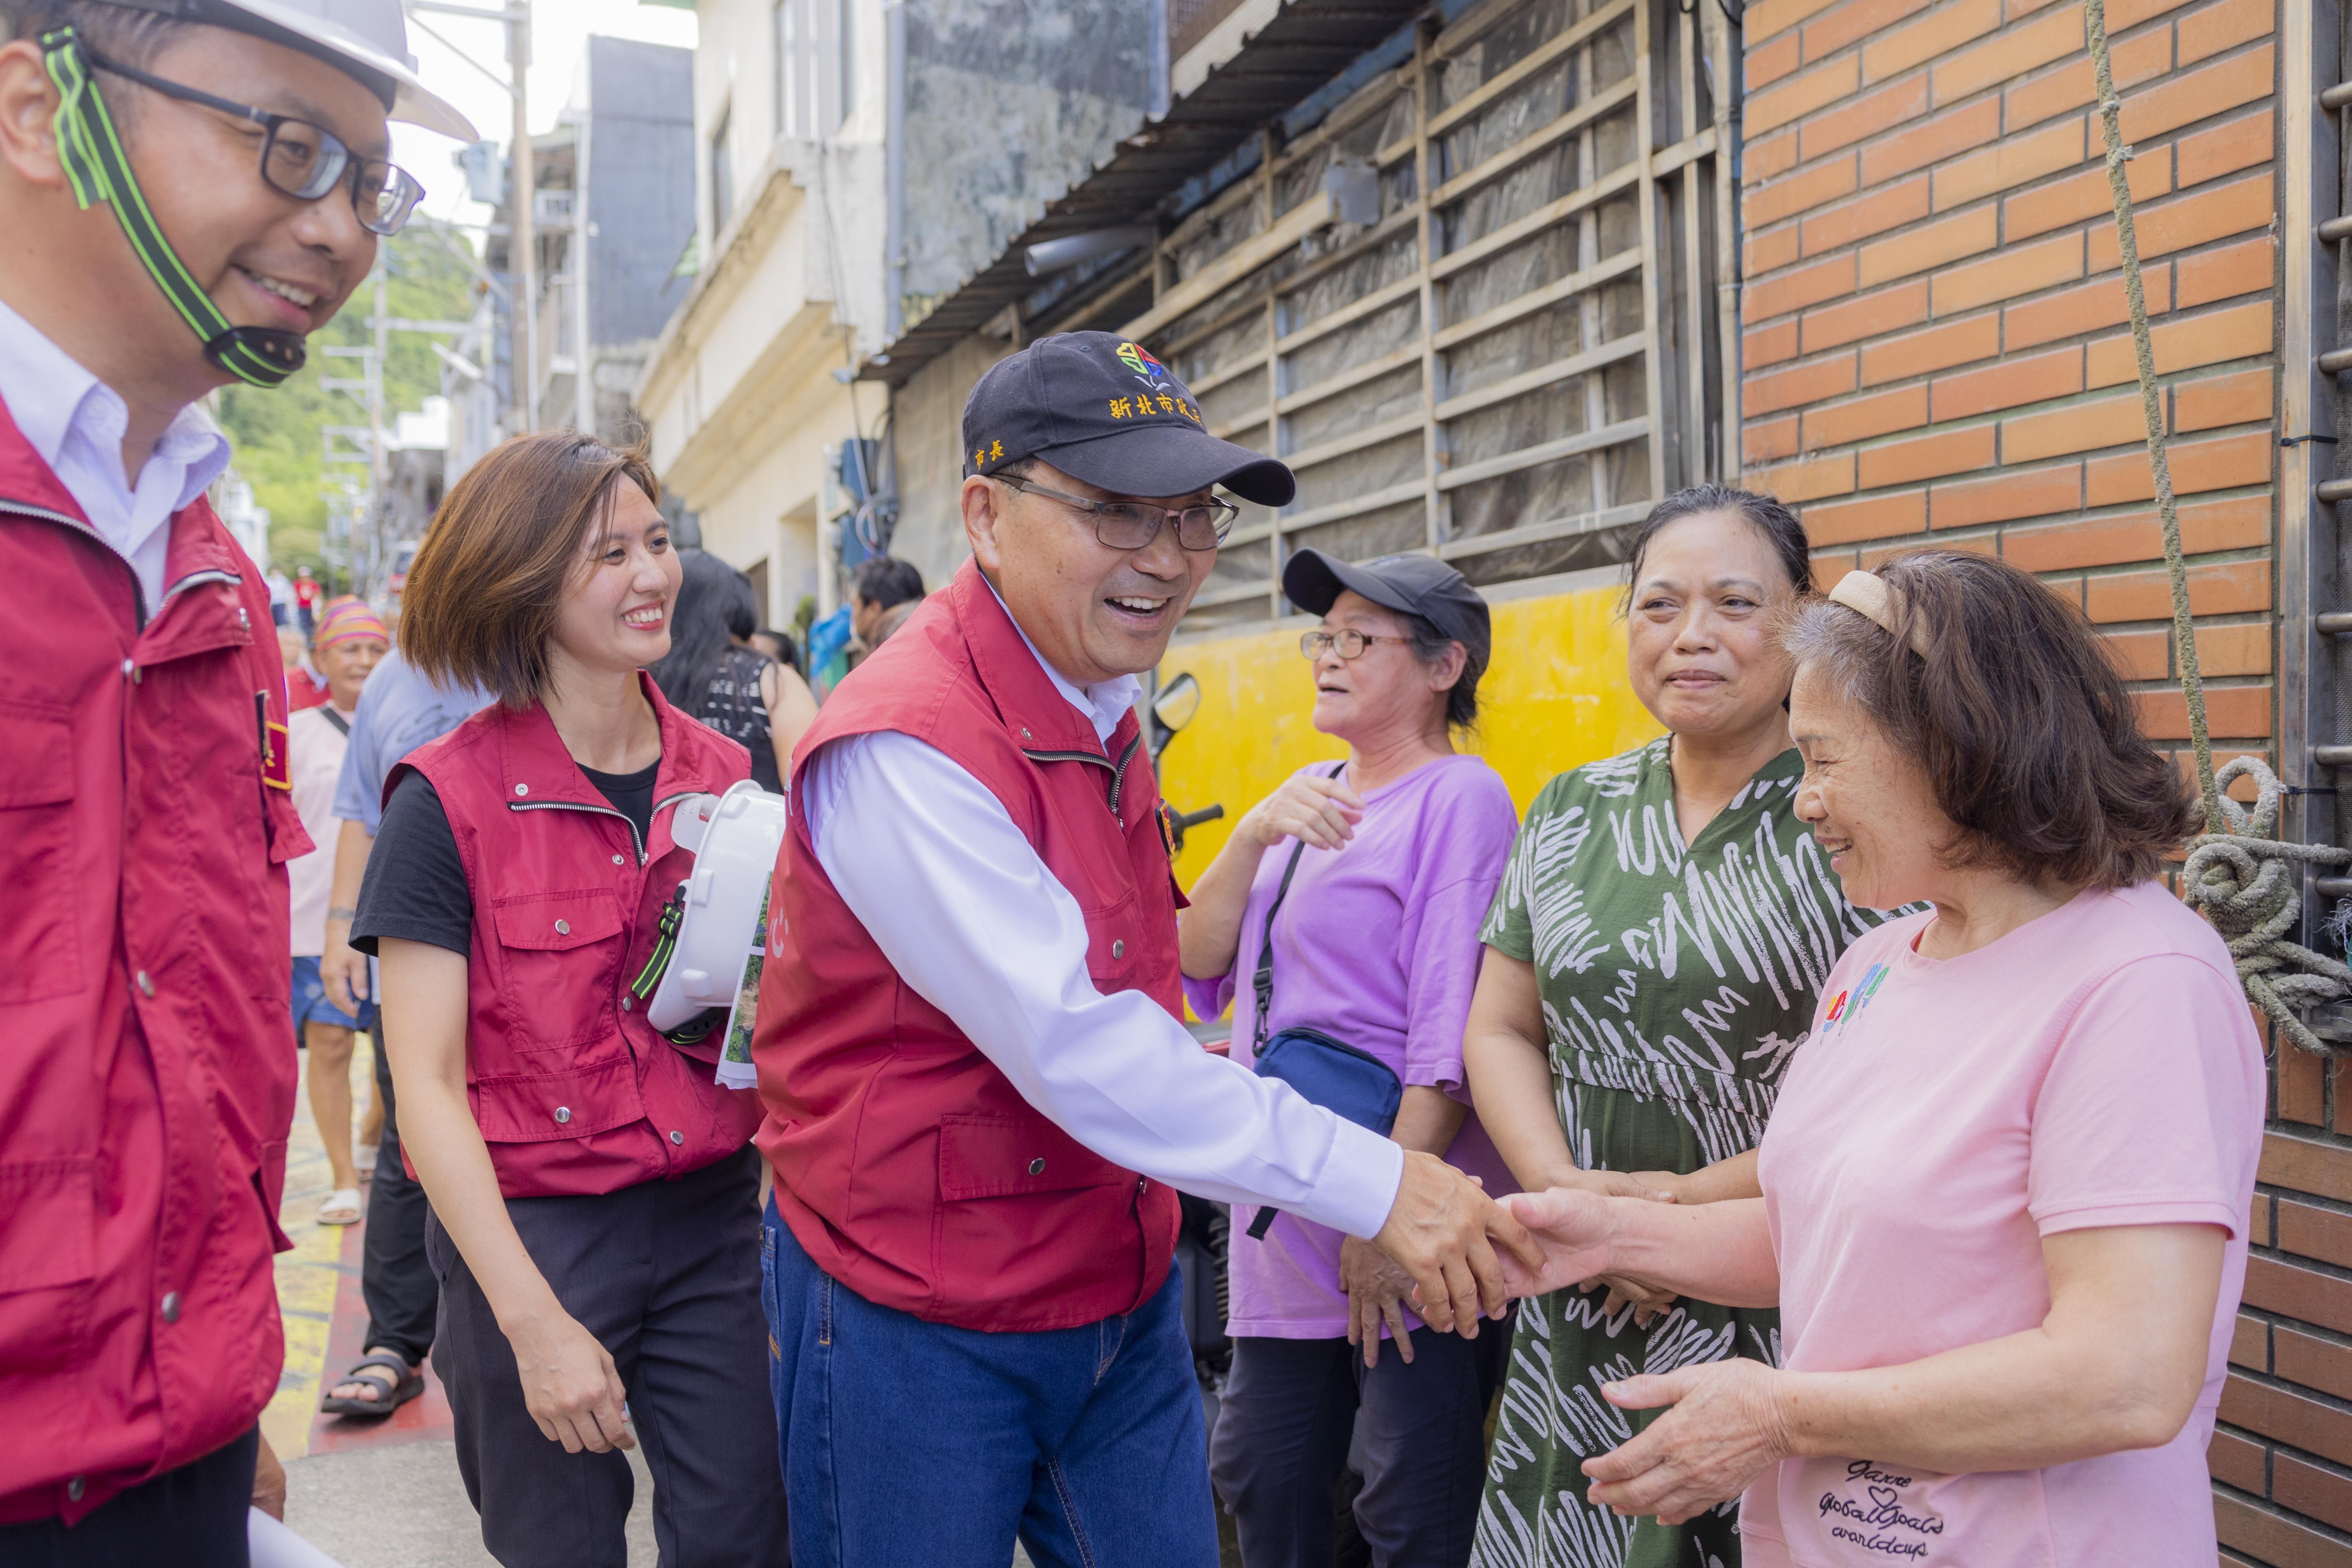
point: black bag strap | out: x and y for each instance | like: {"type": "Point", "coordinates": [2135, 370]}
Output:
{"type": "Point", "coordinates": [342, 725]}
{"type": "Point", "coordinates": [1263, 982]}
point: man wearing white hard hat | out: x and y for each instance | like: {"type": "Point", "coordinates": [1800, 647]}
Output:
{"type": "Point", "coordinates": [188, 189]}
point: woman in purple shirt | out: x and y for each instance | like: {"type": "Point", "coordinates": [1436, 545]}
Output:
{"type": "Point", "coordinates": [1376, 944]}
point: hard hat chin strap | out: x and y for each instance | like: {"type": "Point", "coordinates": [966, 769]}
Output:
{"type": "Point", "coordinates": [100, 171]}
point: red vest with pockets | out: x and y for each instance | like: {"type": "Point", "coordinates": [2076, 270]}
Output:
{"type": "Point", "coordinates": [907, 1165]}
{"type": "Point", "coordinates": [147, 1061]}
{"type": "Point", "coordinates": [574, 1092]}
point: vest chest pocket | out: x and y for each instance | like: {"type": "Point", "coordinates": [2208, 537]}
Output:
{"type": "Point", "coordinates": [37, 855]}
{"type": "Point", "coordinates": [557, 957]}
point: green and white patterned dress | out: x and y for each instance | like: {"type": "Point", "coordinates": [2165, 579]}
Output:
{"type": "Point", "coordinates": [1677, 981]}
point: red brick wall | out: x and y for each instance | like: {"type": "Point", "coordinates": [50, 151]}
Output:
{"type": "Point", "coordinates": [1935, 352]}
{"type": "Point", "coordinates": [1934, 320]}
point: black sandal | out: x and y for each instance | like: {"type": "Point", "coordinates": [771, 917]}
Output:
{"type": "Point", "coordinates": [392, 1393]}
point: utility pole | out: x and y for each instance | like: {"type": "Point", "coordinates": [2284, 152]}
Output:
{"type": "Point", "coordinates": [379, 461]}
{"type": "Point", "coordinates": [522, 237]}
{"type": "Point", "coordinates": [584, 367]}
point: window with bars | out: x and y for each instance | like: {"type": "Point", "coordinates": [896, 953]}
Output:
{"type": "Point", "coordinates": [1485, 307]}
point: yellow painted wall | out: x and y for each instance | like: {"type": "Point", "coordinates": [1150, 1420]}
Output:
{"type": "Point", "coordinates": [1555, 696]}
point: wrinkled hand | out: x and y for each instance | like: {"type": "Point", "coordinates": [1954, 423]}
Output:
{"type": "Point", "coordinates": [1571, 1227]}
{"type": "Point", "coordinates": [1648, 1301]}
{"type": "Point", "coordinates": [269, 1482]}
{"type": "Point", "coordinates": [1376, 1290]}
{"type": "Point", "coordinates": [570, 1385]}
{"type": "Point", "coordinates": [1314, 810]}
{"type": "Point", "coordinates": [1437, 1230]}
{"type": "Point", "coordinates": [1725, 1430]}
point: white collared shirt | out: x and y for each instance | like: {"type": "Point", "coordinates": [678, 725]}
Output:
{"type": "Point", "coordinates": [931, 864]}
{"type": "Point", "coordinates": [76, 423]}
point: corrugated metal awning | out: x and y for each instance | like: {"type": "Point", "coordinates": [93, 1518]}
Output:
{"type": "Point", "coordinates": [1306, 44]}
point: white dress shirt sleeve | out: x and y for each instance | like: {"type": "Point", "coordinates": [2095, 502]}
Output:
{"type": "Point", "coordinates": [933, 867]}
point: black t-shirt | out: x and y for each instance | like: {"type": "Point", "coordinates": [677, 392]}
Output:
{"type": "Point", "coordinates": [416, 888]}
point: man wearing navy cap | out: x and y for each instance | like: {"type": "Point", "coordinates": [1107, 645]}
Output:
{"type": "Point", "coordinates": [980, 1097]}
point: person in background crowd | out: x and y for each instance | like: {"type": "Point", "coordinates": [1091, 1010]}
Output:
{"type": "Point", "coordinates": [281, 597]}
{"type": "Point", "coordinates": [307, 594]}
{"type": "Point", "coordinates": [880, 585]}
{"type": "Point", "coordinates": [593, 1191]}
{"type": "Point", "coordinates": [349, 642]}
{"type": "Point", "coordinates": [1622, 1022]}
{"type": "Point", "coordinates": [980, 1095]}
{"type": "Point", "coordinates": [1380, 872]}
{"type": "Point", "coordinates": [148, 1082]}
{"type": "Point", "coordinates": [399, 710]}
{"type": "Point", "coordinates": [2005, 1188]}
{"type": "Point", "coordinates": [713, 673]}
{"type": "Point", "coordinates": [890, 621]}
{"type": "Point", "coordinates": [304, 688]}
{"type": "Point", "coordinates": [778, 645]}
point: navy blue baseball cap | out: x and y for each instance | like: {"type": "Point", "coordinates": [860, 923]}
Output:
{"type": "Point", "coordinates": [1102, 409]}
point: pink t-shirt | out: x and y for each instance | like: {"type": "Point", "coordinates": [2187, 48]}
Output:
{"type": "Point", "coordinates": [2096, 1066]}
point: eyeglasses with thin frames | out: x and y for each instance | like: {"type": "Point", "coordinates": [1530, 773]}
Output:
{"type": "Point", "coordinates": [1351, 643]}
{"type": "Point", "coordinates": [301, 159]}
{"type": "Point", "coordinates": [1131, 526]}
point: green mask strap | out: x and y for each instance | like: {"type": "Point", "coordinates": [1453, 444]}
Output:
{"type": "Point", "coordinates": [100, 172]}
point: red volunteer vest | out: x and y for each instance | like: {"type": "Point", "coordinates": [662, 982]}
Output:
{"type": "Point", "coordinates": [147, 1061]}
{"type": "Point", "coordinates": [907, 1165]}
{"type": "Point", "coordinates": [575, 1093]}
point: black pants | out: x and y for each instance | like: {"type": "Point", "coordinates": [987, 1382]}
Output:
{"type": "Point", "coordinates": [395, 1279]}
{"type": "Point", "coordinates": [1283, 1435]}
{"type": "Point", "coordinates": [666, 1276]}
{"type": "Point", "coordinates": [191, 1517]}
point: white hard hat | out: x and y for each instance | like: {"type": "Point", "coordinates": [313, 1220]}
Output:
{"type": "Point", "coordinates": [368, 38]}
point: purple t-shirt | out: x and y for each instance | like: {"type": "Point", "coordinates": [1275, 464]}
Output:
{"type": "Point", "coordinates": [1377, 944]}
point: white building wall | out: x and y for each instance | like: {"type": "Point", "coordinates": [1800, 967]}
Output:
{"type": "Point", "coordinates": [739, 394]}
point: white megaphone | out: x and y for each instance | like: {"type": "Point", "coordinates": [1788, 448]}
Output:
{"type": "Point", "coordinates": [722, 928]}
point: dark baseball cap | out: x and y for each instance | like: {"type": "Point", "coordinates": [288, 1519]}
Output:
{"type": "Point", "coordinates": [1411, 584]}
{"type": "Point", "coordinates": [1102, 409]}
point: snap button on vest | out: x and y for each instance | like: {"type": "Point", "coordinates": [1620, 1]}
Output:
{"type": "Point", "coordinates": [563, 927]}
{"type": "Point", "coordinates": [616, 859]}
{"type": "Point", "coordinates": [172, 1307]}
{"type": "Point", "coordinates": [625, 1002]}
{"type": "Point", "coordinates": [73, 1489]}
{"type": "Point", "coordinates": [1119, 949]}
{"type": "Point", "coordinates": [563, 1113]}
{"type": "Point", "coordinates": [146, 986]}
{"type": "Point", "coordinates": [676, 1136]}
{"type": "Point", "coordinates": [522, 789]}
{"type": "Point", "coordinates": [1037, 1166]}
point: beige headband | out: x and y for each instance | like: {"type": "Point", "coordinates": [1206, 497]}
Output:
{"type": "Point", "coordinates": [1868, 593]}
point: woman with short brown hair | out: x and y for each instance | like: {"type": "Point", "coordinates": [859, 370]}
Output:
{"type": "Point", "coordinates": [594, 1193]}
{"type": "Point", "coordinates": [2005, 1186]}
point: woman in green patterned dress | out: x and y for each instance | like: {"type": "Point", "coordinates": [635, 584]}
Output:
{"type": "Point", "coordinates": [1654, 954]}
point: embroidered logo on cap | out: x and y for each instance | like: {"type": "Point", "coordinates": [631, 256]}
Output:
{"type": "Point", "coordinates": [1137, 358]}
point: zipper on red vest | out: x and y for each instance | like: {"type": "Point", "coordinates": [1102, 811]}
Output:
{"type": "Point", "coordinates": [138, 593]}
{"type": "Point", "coordinates": [636, 842]}
{"type": "Point", "coordinates": [1118, 771]}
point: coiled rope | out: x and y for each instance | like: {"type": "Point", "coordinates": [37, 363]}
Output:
{"type": "Point", "coordinates": [2247, 881]}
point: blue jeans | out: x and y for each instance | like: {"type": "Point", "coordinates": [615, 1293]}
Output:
{"type": "Point", "coordinates": [906, 1442]}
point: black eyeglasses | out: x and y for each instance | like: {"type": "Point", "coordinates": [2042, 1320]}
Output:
{"type": "Point", "coordinates": [302, 160]}
{"type": "Point", "coordinates": [1131, 526]}
{"type": "Point", "coordinates": [1352, 644]}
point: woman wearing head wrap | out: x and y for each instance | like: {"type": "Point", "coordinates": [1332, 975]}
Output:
{"type": "Point", "coordinates": [348, 641]}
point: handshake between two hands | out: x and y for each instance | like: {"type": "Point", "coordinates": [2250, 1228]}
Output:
{"type": "Point", "coordinates": [1466, 1254]}
{"type": "Point", "coordinates": [1457, 1255]}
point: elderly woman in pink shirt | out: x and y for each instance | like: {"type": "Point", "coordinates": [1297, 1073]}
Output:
{"type": "Point", "coordinates": [2006, 1183]}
